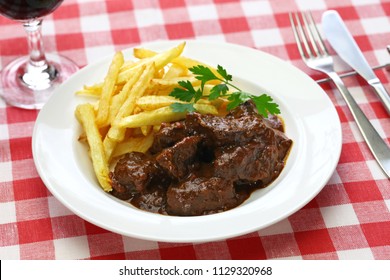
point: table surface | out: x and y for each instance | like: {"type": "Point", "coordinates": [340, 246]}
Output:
{"type": "Point", "coordinates": [348, 219]}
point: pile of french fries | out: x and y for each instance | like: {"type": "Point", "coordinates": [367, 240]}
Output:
{"type": "Point", "coordinates": [131, 104]}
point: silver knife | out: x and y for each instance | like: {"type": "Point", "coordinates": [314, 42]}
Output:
{"type": "Point", "coordinates": [343, 43]}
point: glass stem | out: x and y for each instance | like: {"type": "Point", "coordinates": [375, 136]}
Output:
{"type": "Point", "coordinates": [37, 73]}
{"type": "Point", "coordinates": [35, 43]}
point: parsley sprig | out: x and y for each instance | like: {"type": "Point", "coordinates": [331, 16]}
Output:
{"type": "Point", "coordinates": [187, 93]}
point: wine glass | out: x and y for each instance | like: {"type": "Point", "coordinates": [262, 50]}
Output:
{"type": "Point", "coordinates": [28, 82]}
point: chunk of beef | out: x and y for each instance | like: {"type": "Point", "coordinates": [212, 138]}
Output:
{"type": "Point", "coordinates": [168, 135]}
{"type": "Point", "coordinates": [134, 172]}
{"type": "Point", "coordinates": [219, 131]}
{"type": "Point", "coordinates": [120, 191]}
{"type": "Point", "coordinates": [249, 109]}
{"type": "Point", "coordinates": [274, 122]}
{"type": "Point", "coordinates": [246, 109]}
{"type": "Point", "coordinates": [284, 144]}
{"type": "Point", "coordinates": [179, 160]}
{"type": "Point", "coordinates": [249, 163]}
{"type": "Point", "coordinates": [152, 200]}
{"type": "Point", "coordinates": [200, 196]}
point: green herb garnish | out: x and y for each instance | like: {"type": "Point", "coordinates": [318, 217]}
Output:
{"type": "Point", "coordinates": [187, 93]}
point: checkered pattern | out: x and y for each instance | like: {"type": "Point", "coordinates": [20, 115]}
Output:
{"type": "Point", "coordinates": [348, 219]}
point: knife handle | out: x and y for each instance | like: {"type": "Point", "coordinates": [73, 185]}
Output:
{"type": "Point", "coordinates": [382, 93]}
{"type": "Point", "coordinates": [377, 145]}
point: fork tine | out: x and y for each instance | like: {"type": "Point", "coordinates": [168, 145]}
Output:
{"type": "Point", "coordinates": [296, 34]}
{"type": "Point", "coordinates": [307, 36]}
{"type": "Point", "coordinates": [315, 34]}
{"type": "Point", "coordinates": [302, 37]}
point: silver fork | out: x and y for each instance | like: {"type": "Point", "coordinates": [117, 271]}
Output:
{"type": "Point", "coordinates": [316, 56]}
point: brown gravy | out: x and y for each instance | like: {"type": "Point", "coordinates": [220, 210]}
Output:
{"type": "Point", "coordinates": [204, 164]}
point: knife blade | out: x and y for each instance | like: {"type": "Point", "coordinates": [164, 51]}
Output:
{"type": "Point", "coordinates": [346, 47]}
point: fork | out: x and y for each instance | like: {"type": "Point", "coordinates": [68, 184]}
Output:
{"type": "Point", "coordinates": [316, 56]}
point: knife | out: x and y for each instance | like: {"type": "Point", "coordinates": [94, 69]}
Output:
{"type": "Point", "coordinates": [343, 43]}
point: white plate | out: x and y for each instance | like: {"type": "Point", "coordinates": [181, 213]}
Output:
{"type": "Point", "coordinates": [310, 118]}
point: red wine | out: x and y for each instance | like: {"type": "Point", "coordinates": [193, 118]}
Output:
{"type": "Point", "coordinates": [28, 9]}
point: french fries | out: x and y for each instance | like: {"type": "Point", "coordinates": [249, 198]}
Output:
{"type": "Point", "coordinates": [155, 117]}
{"type": "Point", "coordinates": [134, 144]}
{"type": "Point", "coordinates": [117, 133]}
{"type": "Point", "coordinates": [132, 102]}
{"type": "Point", "coordinates": [86, 116]}
{"type": "Point", "coordinates": [108, 88]}
{"type": "Point", "coordinates": [160, 61]}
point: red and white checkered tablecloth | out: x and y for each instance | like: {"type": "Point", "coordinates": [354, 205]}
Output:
{"type": "Point", "coordinates": [348, 219]}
